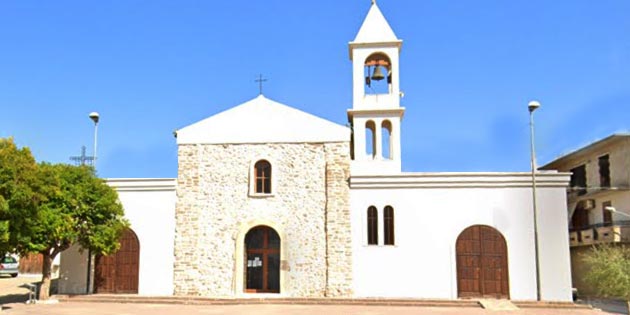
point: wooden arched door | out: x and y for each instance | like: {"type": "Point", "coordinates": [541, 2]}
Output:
{"type": "Point", "coordinates": [262, 246]}
{"type": "Point", "coordinates": [118, 272]}
{"type": "Point", "coordinates": [482, 263]}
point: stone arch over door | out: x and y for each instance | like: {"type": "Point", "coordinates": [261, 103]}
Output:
{"type": "Point", "coordinates": [482, 263]}
{"type": "Point", "coordinates": [262, 266]}
{"type": "Point", "coordinates": [240, 257]}
{"type": "Point", "coordinates": [119, 272]}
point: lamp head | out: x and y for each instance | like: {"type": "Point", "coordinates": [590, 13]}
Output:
{"type": "Point", "coordinates": [611, 209]}
{"type": "Point", "coordinates": [94, 116]}
{"type": "Point", "coordinates": [532, 106]}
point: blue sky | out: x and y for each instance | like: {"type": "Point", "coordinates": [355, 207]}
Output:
{"type": "Point", "coordinates": [468, 70]}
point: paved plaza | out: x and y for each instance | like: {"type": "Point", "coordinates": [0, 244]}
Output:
{"type": "Point", "coordinates": [14, 290]}
{"type": "Point", "coordinates": [157, 309]}
{"type": "Point", "coordinates": [13, 294]}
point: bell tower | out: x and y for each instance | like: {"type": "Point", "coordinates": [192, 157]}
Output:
{"type": "Point", "coordinates": [376, 113]}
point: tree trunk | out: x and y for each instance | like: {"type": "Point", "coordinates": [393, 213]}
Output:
{"type": "Point", "coordinates": [44, 288]}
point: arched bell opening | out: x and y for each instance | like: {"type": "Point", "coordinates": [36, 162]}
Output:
{"type": "Point", "coordinates": [378, 74]}
{"type": "Point", "coordinates": [386, 137]}
{"type": "Point", "coordinates": [370, 139]}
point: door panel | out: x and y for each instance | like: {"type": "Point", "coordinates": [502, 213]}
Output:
{"type": "Point", "coordinates": [119, 272]}
{"type": "Point", "coordinates": [262, 245]}
{"type": "Point", "coordinates": [482, 263]}
{"type": "Point", "coordinates": [254, 271]}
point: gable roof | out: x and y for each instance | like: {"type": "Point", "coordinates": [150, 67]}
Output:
{"type": "Point", "coordinates": [375, 28]}
{"type": "Point", "coordinates": [262, 120]}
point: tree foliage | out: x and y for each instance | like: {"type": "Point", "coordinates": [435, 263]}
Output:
{"type": "Point", "coordinates": [45, 208]}
{"type": "Point", "coordinates": [18, 193]}
{"type": "Point", "coordinates": [609, 270]}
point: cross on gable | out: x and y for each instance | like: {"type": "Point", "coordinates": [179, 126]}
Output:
{"type": "Point", "coordinates": [260, 81]}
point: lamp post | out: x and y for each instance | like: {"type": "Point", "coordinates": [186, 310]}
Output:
{"type": "Point", "coordinates": [532, 106]}
{"type": "Point", "coordinates": [95, 117]}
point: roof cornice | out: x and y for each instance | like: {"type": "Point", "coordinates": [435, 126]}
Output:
{"type": "Point", "coordinates": [460, 180]}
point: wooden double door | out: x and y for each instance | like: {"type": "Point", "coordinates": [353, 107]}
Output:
{"type": "Point", "coordinates": [118, 272]}
{"type": "Point", "coordinates": [482, 264]}
{"type": "Point", "coordinates": [262, 263]}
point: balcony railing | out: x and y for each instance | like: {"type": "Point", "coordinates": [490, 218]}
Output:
{"type": "Point", "coordinates": [615, 232]}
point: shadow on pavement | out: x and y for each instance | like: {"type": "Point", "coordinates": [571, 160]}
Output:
{"type": "Point", "coordinates": [607, 305]}
{"type": "Point", "coordinates": [14, 298]}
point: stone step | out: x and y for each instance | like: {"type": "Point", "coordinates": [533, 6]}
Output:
{"type": "Point", "coordinates": [546, 304]}
{"type": "Point", "coordinates": [110, 298]}
{"type": "Point", "coordinates": [131, 298]}
{"type": "Point", "coordinates": [498, 305]}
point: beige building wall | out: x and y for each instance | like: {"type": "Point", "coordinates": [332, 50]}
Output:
{"type": "Point", "coordinates": [308, 207]}
{"type": "Point", "coordinates": [617, 147]}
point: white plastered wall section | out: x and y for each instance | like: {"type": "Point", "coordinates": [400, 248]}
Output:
{"type": "Point", "coordinates": [150, 208]}
{"type": "Point", "coordinates": [430, 212]}
{"type": "Point", "coordinates": [73, 271]}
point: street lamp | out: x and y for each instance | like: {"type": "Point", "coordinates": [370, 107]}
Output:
{"type": "Point", "coordinates": [532, 106]}
{"type": "Point", "coordinates": [95, 117]}
{"type": "Point", "coordinates": [614, 211]}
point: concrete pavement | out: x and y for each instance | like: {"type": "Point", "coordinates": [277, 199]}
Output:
{"type": "Point", "coordinates": [266, 309]}
{"type": "Point", "coordinates": [13, 290]}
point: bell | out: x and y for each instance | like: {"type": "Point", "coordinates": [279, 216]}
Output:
{"type": "Point", "coordinates": [378, 74]}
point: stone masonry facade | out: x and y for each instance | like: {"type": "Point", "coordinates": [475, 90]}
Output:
{"type": "Point", "coordinates": [309, 206]}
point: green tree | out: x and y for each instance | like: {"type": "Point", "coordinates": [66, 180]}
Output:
{"type": "Point", "coordinates": [18, 193]}
{"type": "Point", "coordinates": [68, 205]}
{"type": "Point", "coordinates": [609, 270]}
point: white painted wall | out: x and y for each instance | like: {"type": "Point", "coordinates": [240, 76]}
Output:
{"type": "Point", "coordinates": [151, 212]}
{"type": "Point", "coordinates": [150, 208]}
{"type": "Point", "coordinates": [431, 210]}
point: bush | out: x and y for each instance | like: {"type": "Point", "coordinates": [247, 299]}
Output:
{"type": "Point", "coordinates": [609, 270]}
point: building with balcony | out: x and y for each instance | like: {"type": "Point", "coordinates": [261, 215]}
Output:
{"type": "Point", "coordinates": [600, 179]}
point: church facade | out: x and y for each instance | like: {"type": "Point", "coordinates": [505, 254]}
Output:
{"type": "Point", "coordinates": [274, 201]}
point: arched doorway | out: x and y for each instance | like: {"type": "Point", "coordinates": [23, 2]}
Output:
{"type": "Point", "coordinates": [118, 272]}
{"type": "Point", "coordinates": [262, 263]}
{"type": "Point", "coordinates": [482, 269]}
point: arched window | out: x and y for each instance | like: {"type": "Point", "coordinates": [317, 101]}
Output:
{"type": "Point", "coordinates": [386, 132]}
{"type": "Point", "coordinates": [370, 138]}
{"type": "Point", "coordinates": [372, 226]}
{"type": "Point", "coordinates": [262, 173]}
{"type": "Point", "coordinates": [388, 219]}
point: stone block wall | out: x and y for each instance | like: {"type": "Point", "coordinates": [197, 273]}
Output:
{"type": "Point", "coordinates": [338, 231]}
{"type": "Point", "coordinates": [309, 207]}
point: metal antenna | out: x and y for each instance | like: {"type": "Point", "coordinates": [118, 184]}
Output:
{"type": "Point", "coordinates": [260, 81]}
{"type": "Point", "coordinates": [82, 159]}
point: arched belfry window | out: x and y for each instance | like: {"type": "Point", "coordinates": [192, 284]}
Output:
{"type": "Point", "coordinates": [378, 74]}
{"type": "Point", "coordinates": [262, 173]}
{"type": "Point", "coordinates": [386, 137]}
{"type": "Point", "coordinates": [388, 220]}
{"type": "Point", "coordinates": [370, 138]}
{"type": "Point", "coordinates": [372, 226]}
